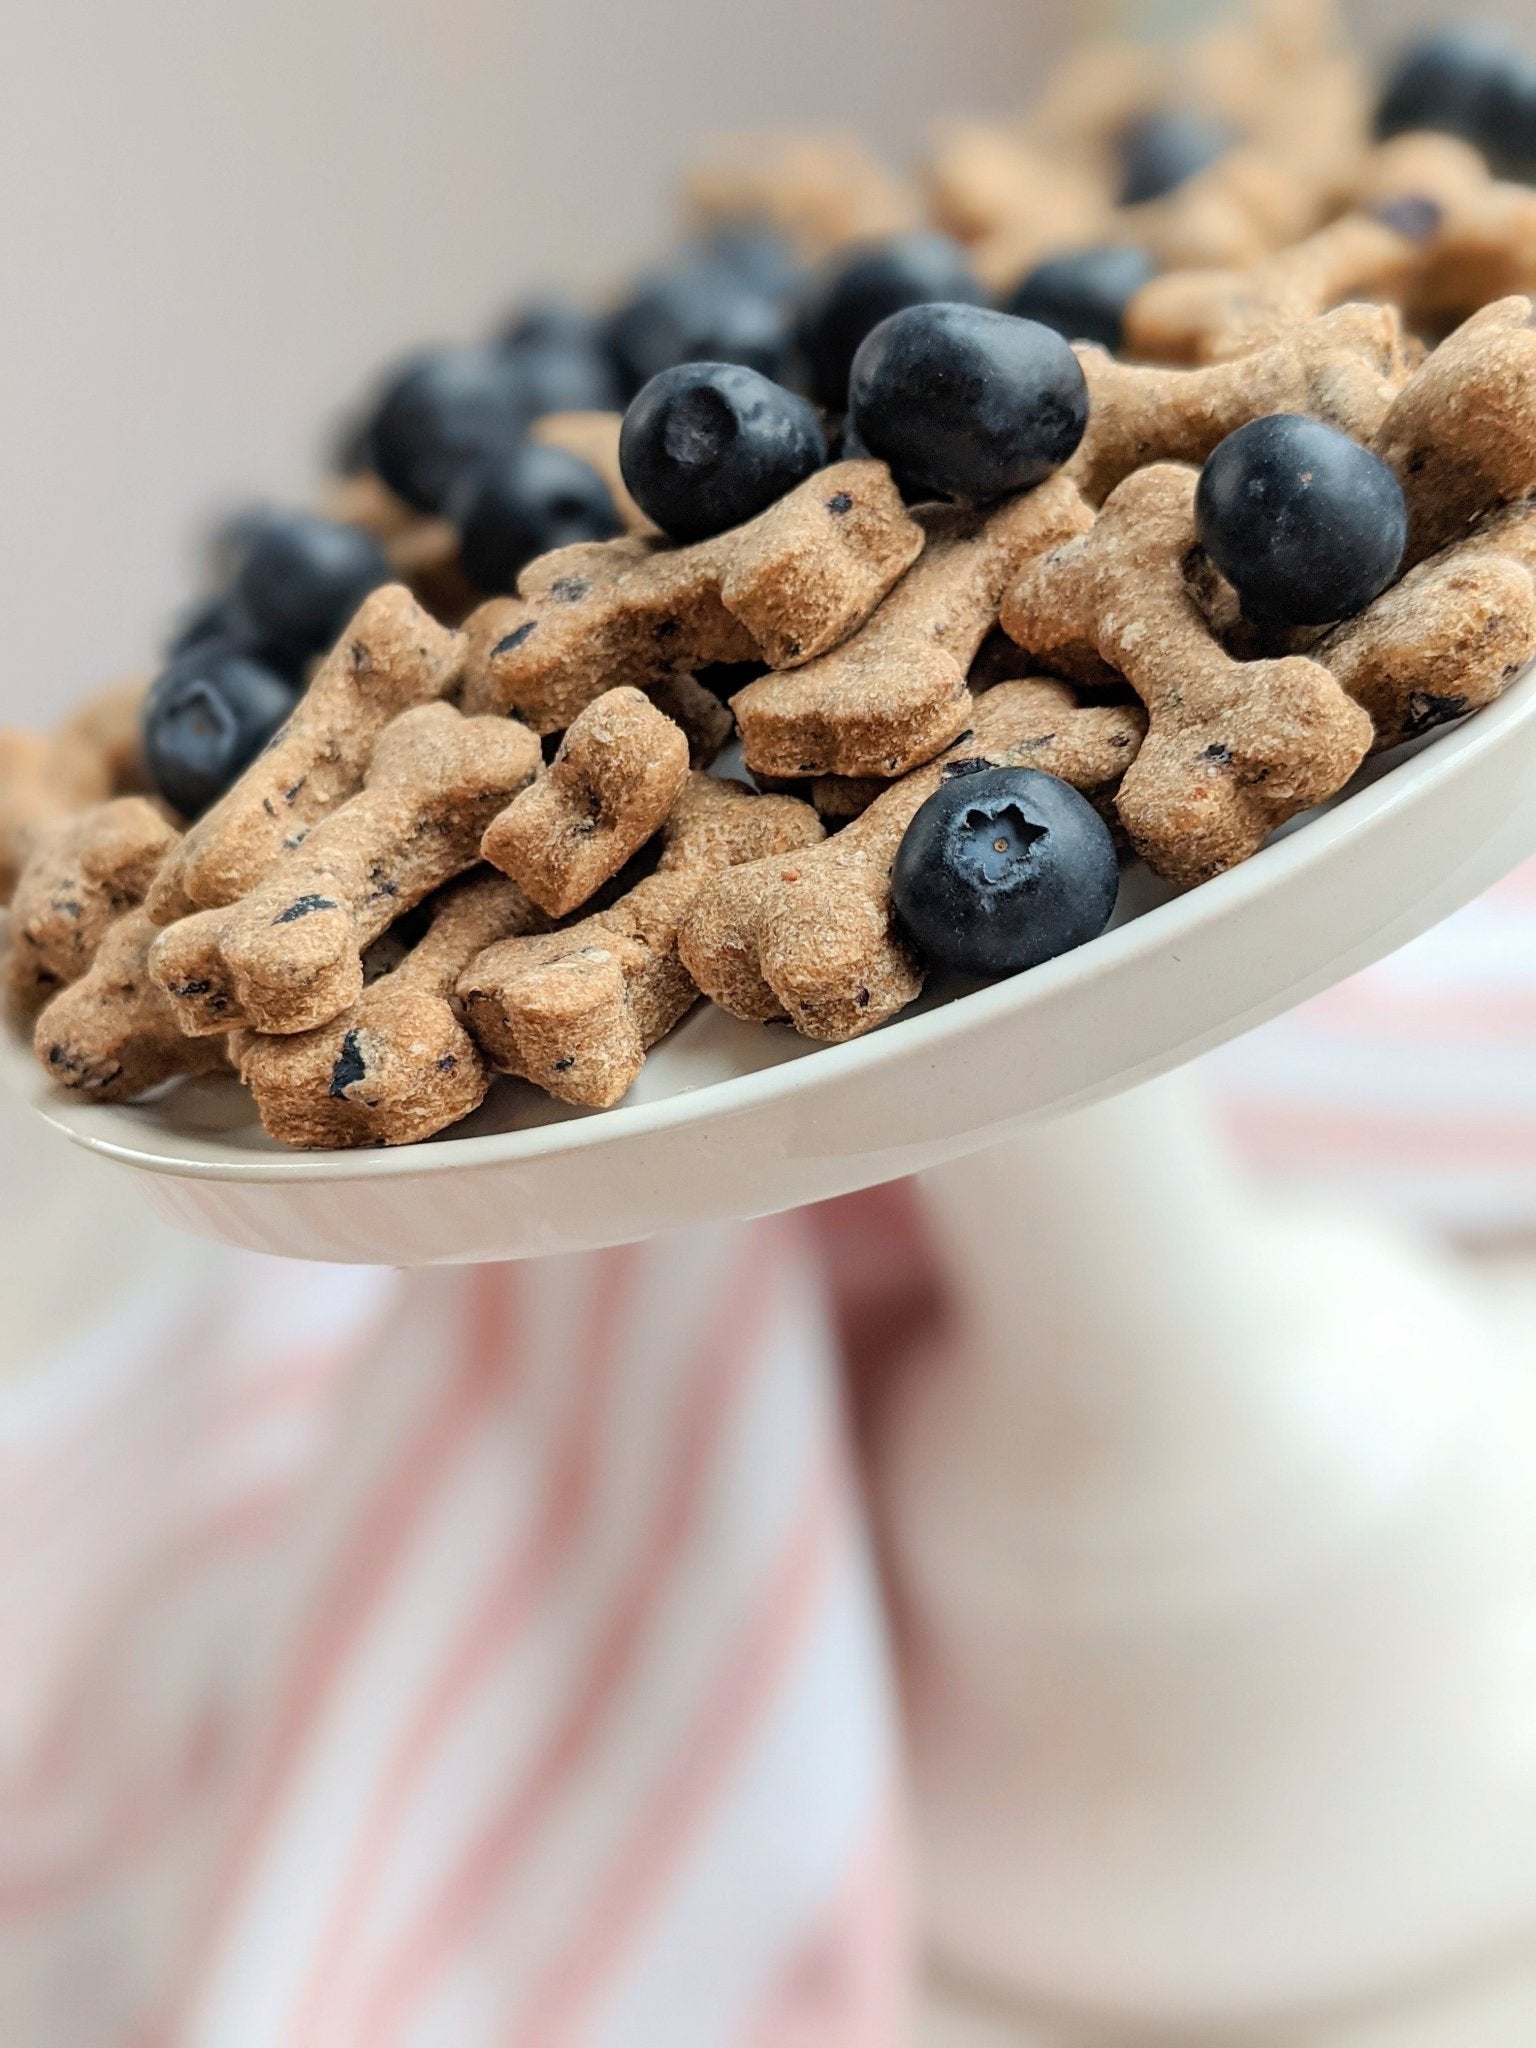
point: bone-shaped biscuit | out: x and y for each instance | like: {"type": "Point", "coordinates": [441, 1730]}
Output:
{"type": "Point", "coordinates": [576, 1011]}
{"type": "Point", "coordinates": [1461, 435]}
{"type": "Point", "coordinates": [112, 1034]}
{"type": "Point", "coordinates": [288, 957]}
{"type": "Point", "coordinates": [81, 875]}
{"type": "Point", "coordinates": [398, 1066]}
{"type": "Point", "coordinates": [1211, 316]}
{"type": "Point", "coordinates": [46, 777]}
{"type": "Point", "coordinates": [895, 695]}
{"type": "Point", "coordinates": [1484, 246]}
{"type": "Point", "coordinates": [1235, 748]}
{"type": "Point", "coordinates": [783, 588]}
{"type": "Point", "coordinates": [1449, 638]}
{"type": "Point", "coordinates": [392, 656]}
{"type": "Point", "coordinates": [811, 937]}
{"type": "Point", "coordinates": [1250, 202]}
{"type": "Point", "coordinates": [821, 189]}
{"type": "Point", "coordinates": [614, 778]}
{"type": "Point", "coordinates": [1345, 367]}
{"type": "Point", "coordinates": [1012, 200]}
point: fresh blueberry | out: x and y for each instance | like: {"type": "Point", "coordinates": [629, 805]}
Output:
{"type": "Point", "coordinates": [1508, 135]}
{"type": "Point", "coordinates": [707, 445]}
{"type": "Point", "coordinates": [1445, 81]}
{"type": "Point", "coordinates": [441, 415]}
{"type": "Point", "coordinates": [757, 253]}
{"type": "Point", "coordinates": [1084, 295]}
{"type": "Point", "coordinates": [1161, 151]}
{"type": "Point", "coordinates": [206, 715]}
{"type": "Point", "coordinates": [1002, 869]}
{"type": "Point", "coordinates": [301, 580]}
{"type": "Point", "coordinates": [701, 310]}
{"type": "Point", "coordinates": [550, 323]}
{"type": "Point", "coordinates": [551, 379]}
{"type": "Point", "coordinates": [963, 402]}
{"type": "Point", "coordinates": [1306, 524]}
{"type": "Point", "coordinates": [217, 621]}
{"type": "Point", "coordinates": [862, 287]}
{"type": "Point", "coordinates": [349, 445]}
{"type": "Point", "coordinates": [558, 360]}
{"type": "Point", "coordinates": [523, 504]}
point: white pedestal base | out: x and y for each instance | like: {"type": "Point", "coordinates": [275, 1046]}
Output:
{"type": "Point", "coordinates": [1216, 1558]}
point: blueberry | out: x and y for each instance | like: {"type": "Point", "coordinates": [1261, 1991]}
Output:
{"type": "Point", "coordinates": [349, 445]}
{"type": "Point", "coordinates": [1084, 295]}
{"type": "Point", "coordinates": [1002, 869]}
{"type": "Point", "coordinates": [963, 402]}
{"type": "Point", "coordinates": [442, 414]}
{"type": "Point", "coordinates": [301, 580]}
{"type": "Point", "coordinates": [702, 310]}
{"type": "Point", "coordinates": [217, 621]}
{"type": "Point", "coordinates": [862, 287]}
{"type": "Point", "coordinates": [552, 379]}
{"type": "Point", "coordinates": [1305, 523]}
{"type": "Point", "coordinates": [550, 323]}
{"type": "Point", "coordinates": [1445, 81]}
{"type": "Point", "coordinates": [523, 504]}
{"type": "Point", "coordinates": [1508, 135]}
{"type": "Point", "coordinates": [1161, 151]}
{"type": "Point", "coordinates": [206, 715]}
{"type": "Point", "coordinates": [707, 445]}
{"type": "Point", "coordinates": [757, 253]}
{"type": "Point", "coordinates": [558, 360]}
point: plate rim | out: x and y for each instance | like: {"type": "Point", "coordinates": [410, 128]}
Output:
{"type": "Point", "coordinates": [1447, 756]}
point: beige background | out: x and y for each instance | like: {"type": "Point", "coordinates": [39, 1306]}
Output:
{"type": "Point", "coordinates": [217, 216]}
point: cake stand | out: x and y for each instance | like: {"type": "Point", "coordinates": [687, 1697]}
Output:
{"type": "Point", "coordinates": [1212, 1535]}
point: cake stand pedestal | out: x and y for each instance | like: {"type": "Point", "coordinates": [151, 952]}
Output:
{"type": "Point", "coordinates": [1214, 1542]}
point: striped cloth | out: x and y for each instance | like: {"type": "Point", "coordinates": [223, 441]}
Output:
{"type": "Point", "coordinates": [1413, 1086]}
{"type": "Point", "coordinates": [471, 1657]}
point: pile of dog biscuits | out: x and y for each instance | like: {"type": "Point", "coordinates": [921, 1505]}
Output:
{"type": "Point", "coordinates": [493, 837]}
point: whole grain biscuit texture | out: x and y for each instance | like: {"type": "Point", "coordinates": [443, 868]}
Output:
{"type": "Point", "coordinates": [392, 656]}
{"type": "Point", "coordinates": [288, 957]}
{"type": "Point", "coordinates": [398, 1066]}
{"type": "Point", "coordinates": [82, 874]}
{"type": "Point", "coordinates": [1234, 748]}
{"type": "Point", "coordinates": [810, 936]}
{"type": "Point", "coordinates": [112, 1034]}
{"type": "Point", "coordinates": [1346, 368]}
{"type": "Point", "coordinates": [895, 694]}
{"type": "Point", "coordinates": [1461, 435]}
{"type": "Point", "coordinates": [614, 778]}
{"type": "Point", "coordinates": [783, 588]}
{"type": "Point", "coordinates": [1450, 637]}
{"type": "Point", "coordinates": [575, 1011]}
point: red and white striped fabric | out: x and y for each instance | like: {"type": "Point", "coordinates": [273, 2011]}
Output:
{"type": "Point", "coordinates": [1412, 1086]}
{"type": "Point", "coordinates": [472, 1657]}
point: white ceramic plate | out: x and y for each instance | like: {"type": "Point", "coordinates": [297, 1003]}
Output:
{"type": "Point", "coordinates": [731, 1119]}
